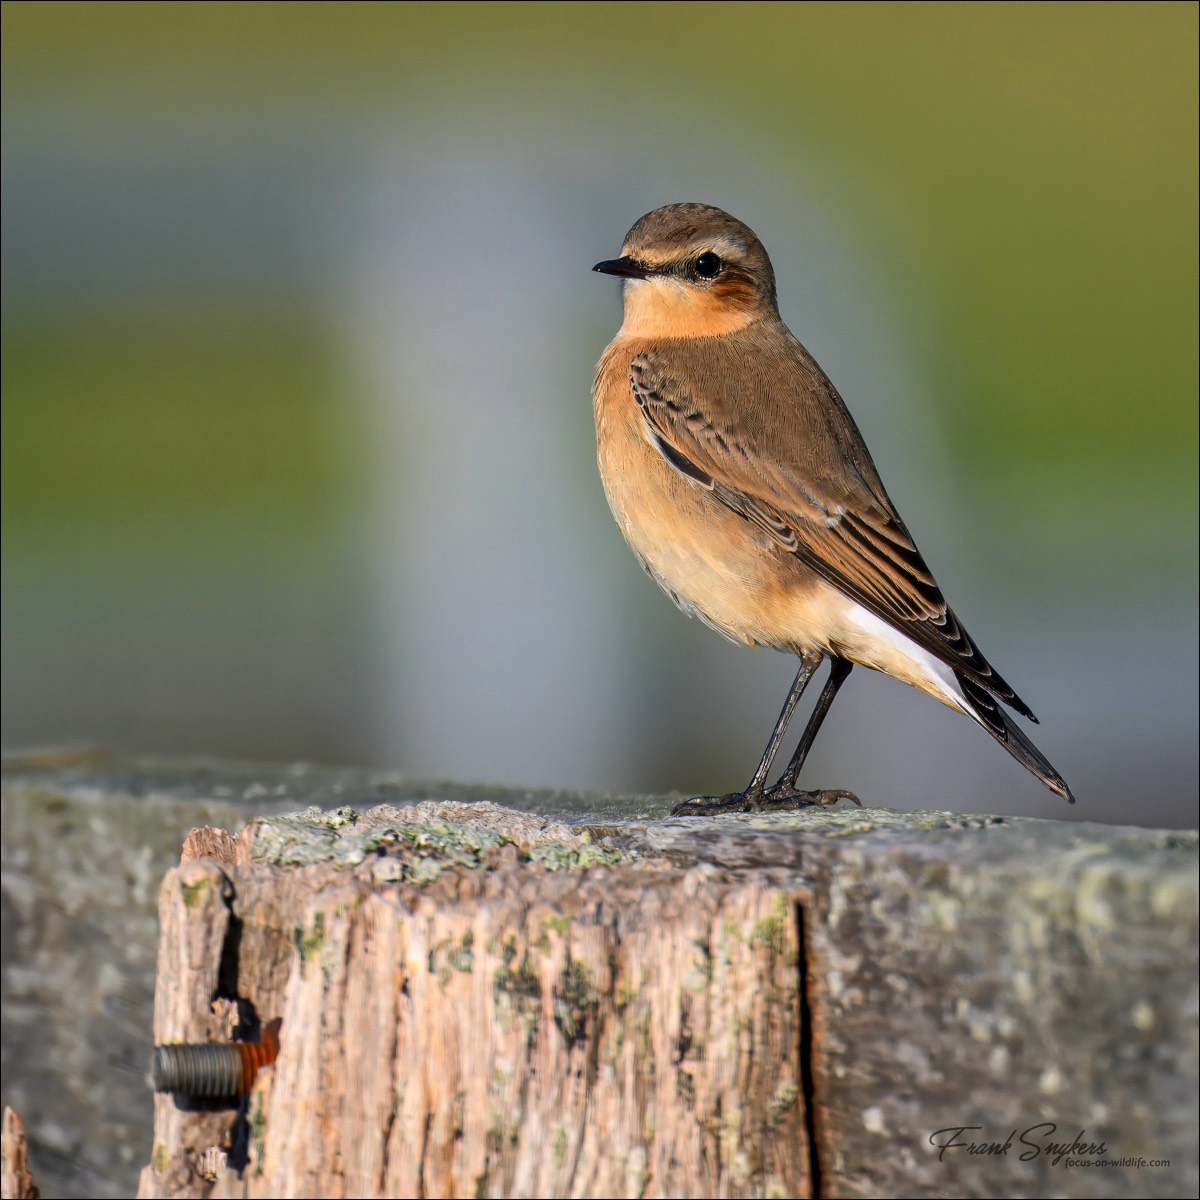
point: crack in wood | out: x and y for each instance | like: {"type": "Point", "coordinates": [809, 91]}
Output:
{"type": "Point", "coordinates": [808, 1084]}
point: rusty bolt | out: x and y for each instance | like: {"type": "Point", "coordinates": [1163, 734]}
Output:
{"type": "Point", "coordinates": [210, 1070]}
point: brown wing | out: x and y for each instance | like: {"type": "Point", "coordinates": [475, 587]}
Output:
{"type": "Point", "coordinates": [795, 465]}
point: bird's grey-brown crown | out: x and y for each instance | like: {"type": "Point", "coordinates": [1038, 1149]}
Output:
{"type": "Point", "coordinates": [684, 239]}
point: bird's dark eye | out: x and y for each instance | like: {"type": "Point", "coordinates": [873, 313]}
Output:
{"type": "Point", "coordinates": [708, 265]}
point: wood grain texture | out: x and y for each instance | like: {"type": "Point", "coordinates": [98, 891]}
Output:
{"type": "Point", "coordinates": [624, 992]}
{"type": "Point", "coordinates": [511, 1031]}
{"type": "Point", "coordinates": [16, 1179]}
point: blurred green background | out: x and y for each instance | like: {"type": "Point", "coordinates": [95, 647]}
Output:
{"type": "Point", "coordinates": [299, 329]}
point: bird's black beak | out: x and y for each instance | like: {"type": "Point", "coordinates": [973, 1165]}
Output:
{"type": "Point", "coordinates": [626, 267]}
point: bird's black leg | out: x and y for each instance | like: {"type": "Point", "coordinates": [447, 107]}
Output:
{"type": "Point", "coordinates": [785, 794]}
{"type": "Point", "coordinates": [752, 797]}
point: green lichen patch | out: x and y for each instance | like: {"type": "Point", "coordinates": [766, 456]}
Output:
{"type": "Point", "coordinates": [310, 942]}
{"type": "Point", "coordinates": [575, 1001]}
{"type": "Point", "coordinates": [453, 955]}
{"type": "Point", "coordinates": [194, 893]}
{"type": "Point", "coordinates": [415, 844]}
{"type": "Point", "coordinates": [421, 850]}
{"type": "Point", "coordinates": [463, 954]}
{"type": "Point", "coordinates": [518, 980]}
{"type": "Point", "coordinates": [575, 856]}
{"type": "Point", "coordinates": [559, 1145]}
{"type": "Point", "coordinates": [258, 1130]}
{"type": "Point", "coordinates": [313, 836]}
{"type": "Point", "coordinates": [517, 990]}
{"type": "Point", "coordinates": [768, 930]}
{"type": "Point", "coordinates": [627, 990]}
{"type": "Point", "coordinates": [784, 1098]}
{"type": "Point", "coordinates": [160, 1159]}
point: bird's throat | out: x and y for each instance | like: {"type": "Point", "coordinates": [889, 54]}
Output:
{"type": "Point", "coordinates": [662, 307]}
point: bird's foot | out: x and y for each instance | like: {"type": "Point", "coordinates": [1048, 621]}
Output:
{"type": "Point", "coordinates": [785, 795]}
{"type": "Point", "coordinates": [711, 806]}
{"type": "Point", "coordinates": [780, 798]}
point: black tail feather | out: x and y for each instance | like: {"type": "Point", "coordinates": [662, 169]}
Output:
{"type": "Point", "coordinates": [997, 722]}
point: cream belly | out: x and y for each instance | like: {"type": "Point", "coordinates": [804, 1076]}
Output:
{"type": "Point", "coordinates": [717, 566]}
{"type": "Point", "coordinates": [711, 562]}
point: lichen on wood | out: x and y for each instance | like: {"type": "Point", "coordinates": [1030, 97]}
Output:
{"type": "Point", "coordinates": [590, 996]}
{"type": "Point", "coordinates": [503, 1026]}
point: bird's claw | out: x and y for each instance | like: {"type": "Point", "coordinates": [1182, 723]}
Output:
{"type": "Point", "coordinates": [711, 806]}
{"type": "Point", "coordinates": [785, 795]}
{"type": "Point", "coordinates": [782, 797]}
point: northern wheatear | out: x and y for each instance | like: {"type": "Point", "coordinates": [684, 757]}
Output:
{"type": "Point", "coordinates": [742, 484]}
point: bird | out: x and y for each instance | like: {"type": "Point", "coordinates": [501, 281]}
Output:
{"type": "Point", "coordinates": [739, 479]}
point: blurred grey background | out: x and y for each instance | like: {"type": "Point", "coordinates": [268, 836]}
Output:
{"type": "Point", "coordinates": [299, 330]}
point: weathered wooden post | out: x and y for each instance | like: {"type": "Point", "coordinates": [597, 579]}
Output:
{"type": "Point", "coordinates": [476, 1001]}
{"type": "Point", "coordinates": [479, 1000]}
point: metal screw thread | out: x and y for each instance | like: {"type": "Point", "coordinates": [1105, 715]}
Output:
{"type": "Point", "coordinates": [209, 1070]}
